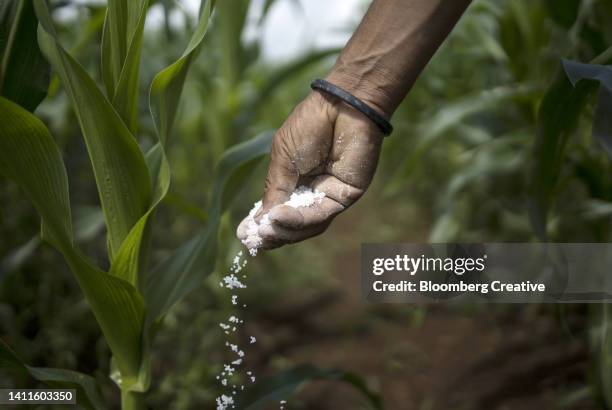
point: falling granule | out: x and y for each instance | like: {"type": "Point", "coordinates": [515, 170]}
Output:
{"type": "Point", "coordinates": [238, 265]}
{"type": "Point", "coordinates": [232, 282]}
{"type": "Point", "coordinates": [302, 197]}
{"type": "Point", "coordinates": [224, 402]}
{"type": "Point", "coordinates": [229, 370]}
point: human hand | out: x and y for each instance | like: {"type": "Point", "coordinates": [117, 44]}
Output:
{"type": "Point", "coordinates": [328, 146]}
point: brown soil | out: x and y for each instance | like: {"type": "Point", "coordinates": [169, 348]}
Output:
{"type": "Point", "coordinates": [426, 358]}
{"type": "Point", "coordinates": [491, 357]}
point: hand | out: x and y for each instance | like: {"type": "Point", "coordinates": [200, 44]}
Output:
{"type": "Point", "coordinates": [326, 145]}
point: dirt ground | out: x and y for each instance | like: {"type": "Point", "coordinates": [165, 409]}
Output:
{"type": "Point", "coordinates": [436, 357]}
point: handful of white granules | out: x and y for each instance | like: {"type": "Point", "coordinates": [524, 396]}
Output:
{"type": "Point", "coordinates": [302, 197]}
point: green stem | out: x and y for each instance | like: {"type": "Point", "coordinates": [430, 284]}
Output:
{"type": "Point", "coordinates": [131, 400]}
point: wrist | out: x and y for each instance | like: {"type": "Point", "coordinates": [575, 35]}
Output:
{"type": "Point", "coordinates": [375, 87]}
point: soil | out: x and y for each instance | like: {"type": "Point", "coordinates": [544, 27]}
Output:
{"type": "Point", "coordinates": [490, 357]}
{"type": "Point", "coordinates": [502, 357]}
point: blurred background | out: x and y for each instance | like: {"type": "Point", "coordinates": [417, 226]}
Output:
{"type": "Point", "coordinates": [455, 169]}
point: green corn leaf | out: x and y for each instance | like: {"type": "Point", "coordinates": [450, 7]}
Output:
{"type": "Point", "coordinates": [288, 71]}
{"type": "Point", "coordinates": [231, 18]}
{"type": "Point", "coordinates": [277, 78]}
{"type": "Point", "coordinates": [129, 262]}
{"type": "Point", "coordinates": [29, 156]}
{"type": "Point", "coordinates": [282, 385]}
{"type": "Point", "coordinates": [26, 145]}
{"type": "Point", "coordinates": [165, 93]}
{"type": "Point", "coordinates": [168, 84]}
{"type": "Point", "coordinates": [447, 118]}
{"type": "Point", "coordinates": [24, 73]}
{"type": "Point", "coordinates": [557, 119]}
{"type": "Point", "coordinates": [267, 5]}
{"type": "Point", "coordinates": [185, 270]}
{"type": "Point", "coordinates": [87, 391]}
{"type": "Point", "coordinates": [121, 27]}
{"type": "Point", "coordinates": [265, 10]}
{"type": "Point", "coordinates": [120, 311]}
{"type": "Point", "coordinates": [602, 74]}
{"type": "Point", "coordinates": [119, 166]}
{"type": "Point", "coordinates": [121, 49]}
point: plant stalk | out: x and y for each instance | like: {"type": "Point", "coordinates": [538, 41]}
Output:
{"type": "Point", "coordinates": [131, 400]}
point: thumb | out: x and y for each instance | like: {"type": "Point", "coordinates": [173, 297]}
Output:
{"type": "Point", "coordinates": [281, 180]}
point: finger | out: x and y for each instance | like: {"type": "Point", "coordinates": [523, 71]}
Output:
{"type": "Point", "coordinates": [241, 231]}
{"type": "Point", "coordinates": [322, 212]}
{"type": "Point", "coordinates": [286, 216]}
{"type": "Point", "coordinates": [338, 196]}
{"type": "Point", "coordinates": [282, 176]}
{"type": "Point", "coordinates": [337, 190]}
{"type": "Point", "coordinates": [275, 236]}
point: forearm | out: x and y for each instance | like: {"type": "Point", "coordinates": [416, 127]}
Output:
{"type": "Point", "coordinates": [391, 47]}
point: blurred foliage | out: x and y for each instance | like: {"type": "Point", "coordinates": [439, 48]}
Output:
{"type": "Point", "coordinates": [460, 166]}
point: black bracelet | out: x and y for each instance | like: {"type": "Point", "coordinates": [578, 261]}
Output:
{"type": "Point", "coordinates": [354, 102]}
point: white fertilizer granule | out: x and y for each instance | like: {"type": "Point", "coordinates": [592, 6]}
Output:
{"type": "Point", "coordinates": [224, 402]}
{"type": "Point", "coordinates": [232, 282]}
{"type": "Point", "coordinates": [302, 197]}
{"type": "Point", "coordinates": [231, 370]}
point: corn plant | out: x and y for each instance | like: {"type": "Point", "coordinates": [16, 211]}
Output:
{"type": "Point", "coordinates": [129, 300]}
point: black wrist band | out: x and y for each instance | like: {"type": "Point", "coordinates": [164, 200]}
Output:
{"type": "Point", "coordinates": [354, 102]}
